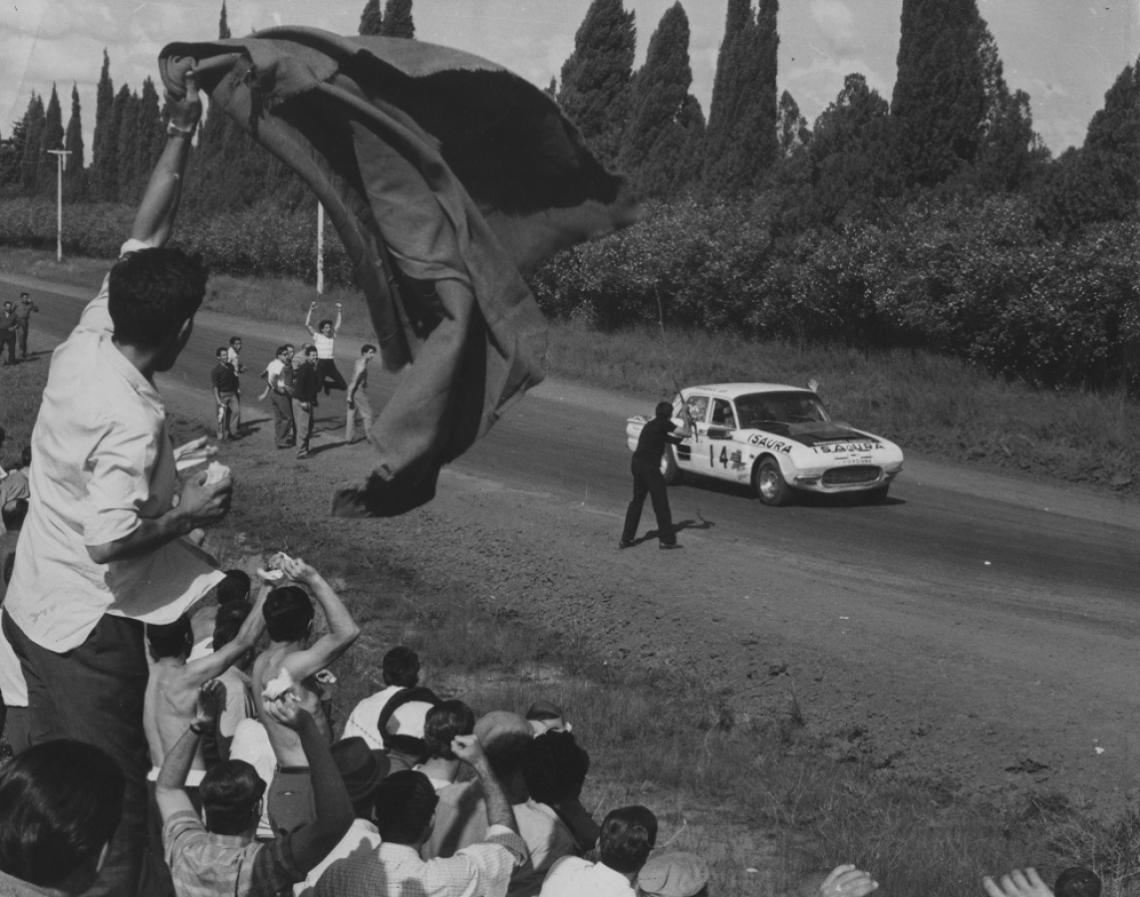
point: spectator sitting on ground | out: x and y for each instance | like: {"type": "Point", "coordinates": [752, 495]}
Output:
{"type": "Point", "coordinates": [172, 690]}
{"type": "Point", "coordinates": [220, 858]}
{"type": "Point", "coordinates": [290, 666]}
{"type": "Point", "coordinates": [555, 768]}
{"type": "Point", "coordinates": [1017, 883]}
{"type": "Point", "coordinates": [627, 836]}
{"type": "Point", "coordinates": [460, 817]}
{"type": "Point", "coordinates": [362, 770]}
{"type": "Point", "coordinates": [545, 716]}
{"type": "Point", "coordinates": [1077, 881]}
{"type": "Point", "coordinates": [401, 726]}
{"type": "Point", "coordinates": [442, 723]}
{"type": "Point", "coordinates": [674, 874]}
{"type": "Point", "coordinates": [405, 802]}
{"type": "Point", "coordinates": [62, 801]}
{"type": "Point", "coordinates": [400, 668]}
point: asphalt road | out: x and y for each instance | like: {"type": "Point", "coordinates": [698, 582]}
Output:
{"type": "Point", "coordinates": [994, 615]}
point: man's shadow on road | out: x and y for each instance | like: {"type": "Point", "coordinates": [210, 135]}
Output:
{"type": "Point", "coordinates": [699, 523]}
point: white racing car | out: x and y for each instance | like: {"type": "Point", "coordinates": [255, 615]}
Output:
{"type": "Point", "coordinates": [777, 438]}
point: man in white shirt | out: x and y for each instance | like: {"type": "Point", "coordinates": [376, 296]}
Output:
{"type": "Point", "coordinates": [405, 802]}
{"type": "Point", "coordinates": [279, 386]}
{"type": "Point", "coordinates": [628, 834]}
{"type": "Point", "coordinates": [102, 550]}
{"type": "Point", "coordinates": [400, 669]}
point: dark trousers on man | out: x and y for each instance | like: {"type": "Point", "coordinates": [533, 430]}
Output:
{"type": "Point", "coordinates": [647, 480]}
{"type": "Point", "coordinates": [229, 415]}
{"type": "Point", "coordinates": [8, 343]}
{"type": "Point", "coordinates": [303, 413]}
{"type": "Point", "coordinates": [283, 427]}
{"type": "Point", "coordinates": [94, 693]}
{"type": "Point", "coordinates": [22, 334]}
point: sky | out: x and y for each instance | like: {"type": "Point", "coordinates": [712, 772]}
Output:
{"type": "Point", "coordinates": [1064, 53]}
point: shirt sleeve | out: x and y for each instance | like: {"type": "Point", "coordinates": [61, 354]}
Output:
{"type": "Point", "coordinates": [274, 869]}
{"type": "Point", "coordinates": [179, 829]}
{"type": "Point", "coordinates": [490, 862]}
{"type": "Point", "coordinates": [118, 484]}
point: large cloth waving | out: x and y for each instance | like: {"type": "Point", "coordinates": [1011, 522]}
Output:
{"type": "Point", "coordinates": [445, 176]}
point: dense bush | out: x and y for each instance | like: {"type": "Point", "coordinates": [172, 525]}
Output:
{"type": "Point", "coordinates": [975, 280]}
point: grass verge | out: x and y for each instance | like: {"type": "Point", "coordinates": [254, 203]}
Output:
{"type": "Point", "coordinates": [927, 403]}
{"type": "Point", "coordinates": [762, 801]}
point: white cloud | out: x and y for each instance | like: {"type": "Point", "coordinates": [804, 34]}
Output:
{"type": "Point", "coordinates": [836, 23]}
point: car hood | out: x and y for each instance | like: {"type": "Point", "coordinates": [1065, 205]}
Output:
{"type": "Point", "coordinates": [812, 434]}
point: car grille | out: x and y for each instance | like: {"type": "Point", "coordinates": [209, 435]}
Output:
{"type": "Point", "coordinates": [847, 476]}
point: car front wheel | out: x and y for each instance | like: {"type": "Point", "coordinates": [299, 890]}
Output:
{"type": "Point", "coordinates": [769, 483]}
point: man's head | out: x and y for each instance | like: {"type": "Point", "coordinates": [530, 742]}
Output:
{"type": "Point", "coordinates": [235, 587]}
{"type": "Point", "coordinates": [288, 614]}
{"type": "Point", "coordinates": [310, 354]}
{"type": "Point", "coordinates": [368, 351]}
{"type": "Point", "coordinates": [24, 297]}
{"type": "Point", "coordinates": [170, 639]}
{"type": "Point", "coordinates": [663, 409]}
{"type": "Point", "coordinates": [62, 801]}
{"type": "Point", "coordinates": [153, 296]}
{"type": "Point", "coordinates": [555, 767]}
{"type": "Point", "coordinates": [1077, 881]}
{"type": "Point", "coordinates": [442, 723]}
{"type": "Point", "coordinates": [231, 796]}
{"type": "Point", "coordinates": [546, 716]}
{"type": "Point", "coordinates": [222, 354]}
{"type": "Point", "coordinates": [8, 306]}
{"type": "Point", "coordinates": [235, 343]}
{"type": "Point", "coordinates": [403, 808]}
{"type": "Point", "coordinates": [402, 719]}
{"type": "Point", "coordinates": [505, 737]}
{"type": "Point", "coordinates": [361, 769]}
{"type": "Point", "coordinates": [228, 622]}
{"type": "Point", "coordinates": [13, 513]}
{"type": "Point", "coordinates": [284, 353]}
{"type": "Point", "coordinates": [627, 836]}
{"type": "Point", "coordinates": [401, 666]}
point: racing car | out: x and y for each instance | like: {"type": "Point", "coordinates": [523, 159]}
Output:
{"type": "Point", "coordinates": [780, 439]}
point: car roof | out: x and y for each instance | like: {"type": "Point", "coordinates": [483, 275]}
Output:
{"type": "Point", "coordinates": [735, 390]}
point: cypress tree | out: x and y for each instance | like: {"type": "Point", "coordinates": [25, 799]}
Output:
{"type": "Point", "coordinates": [371, 20]}
{"type": "Point", "coordinates": [103, 148]}
{"type": "Point", "coordinates": [51, 139]}
{"type": "Point", "coordinates": [33, 145]}
{"type": "Point", "coordinates": [742, 140]}
{"type": "Point", "coordinates": [939, 101]}
{"type": "Point", "coordinates": [223, 24]}
{"type": "Point", "coordinates": [595, 79]}
{"type": "Point", "coordinates": [118, 164]}
{"type": "Point", "coordinates": [398, 19]}
{"type": "Point", "coordinates": [792, 133]}
{"type": "Point", "coordinates": [74, 174]}
{"type": "Point", "coordinates": [657, 151]}
{"type": "Point", "coordinates": [150, 136]}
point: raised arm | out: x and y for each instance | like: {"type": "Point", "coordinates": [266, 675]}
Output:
{"type": "Point", "coordinates": [342, 632]}
{"type": "Point", "coordinates": [154, 219]}
{"type": "Point", "coordinates": [332, 809]}
{"type": "Point", "coordinates": [309, 318]}
{"type": "Point", "coordinates": [499, 812]}
{"type": "Point", "coordinates": [198, 671]}
{"type": "Point", "coordinates": [170, 789]}
{"type": "Point", "coordinates": [336, 326]}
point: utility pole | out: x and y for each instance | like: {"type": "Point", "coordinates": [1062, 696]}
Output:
{"type": "Point", "coordinates": [59, 154]}
{"type": "Point", "coordinates": [320, 248]}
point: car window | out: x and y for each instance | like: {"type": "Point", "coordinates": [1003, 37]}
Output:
{"type": "Point", "coordinates": [722, 414]}
{"type": "Point", "coordinates": [784, 407]}
{"type": "Point", "coordinates": [698, 408]}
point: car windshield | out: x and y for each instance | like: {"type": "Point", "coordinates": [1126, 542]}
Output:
{"type": "Point", "coordinates": [785, 407]}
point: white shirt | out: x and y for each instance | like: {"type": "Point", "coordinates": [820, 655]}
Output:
{"type": "Point", "coordinates": [104, 461]}
{"type": "Point", "coordinates": [361, 837]}
{"type": "Point", "coordinates": [13, 687]}
{"type": "Point", "coordinates": [362, 721]}
{"type": "Point", "coordinates": [576, 877]}
{"type": "Point", "coordinates": [251, 744]}
{"type": "Point", "coordinates": [324, 344]}
{"type": "Point", "coordinates": [273, 372]}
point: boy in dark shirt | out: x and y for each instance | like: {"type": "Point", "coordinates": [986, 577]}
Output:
{"type": "Point", "coordinates": [226, 395]}
{"type": "Point", "coordinates": [306, 385]}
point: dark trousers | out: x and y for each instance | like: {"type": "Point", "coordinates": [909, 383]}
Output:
{"type": "Point", "coordinates": [8, 342]}
{"type": "Point", "coordinates": [304, 418]}
{"type": "Point", "coordinates": [94, 694]}
{"type": "Point", "coordinates": [23, 335]}
{"type": "Point", "coordinates": [283, 427]}
{"type": "Point", "coordinates": [229, 415]}
{"type": "Point", "coordinates": [647, 480]}
{"type": "Point", "coordinates": [328, 376]}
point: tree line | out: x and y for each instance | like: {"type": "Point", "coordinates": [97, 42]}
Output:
{"type": "Point", "coordinates": [755, 195]}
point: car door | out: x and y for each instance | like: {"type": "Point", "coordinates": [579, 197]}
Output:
{"type": "Point", "coordinates": [688, 453]}
{"type": "Point", "coordinates": [719, 437]}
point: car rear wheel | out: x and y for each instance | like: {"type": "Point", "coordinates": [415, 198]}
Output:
{"type": "Point", "coordinates": [769, 483]}
{"type": "Point", "coordinates": [669, 469]}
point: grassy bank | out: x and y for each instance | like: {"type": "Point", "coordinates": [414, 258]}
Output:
{"type": "Point", "coordinates": [761, 800]}
{"type": "Point", "coordinates": [929, 404]}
